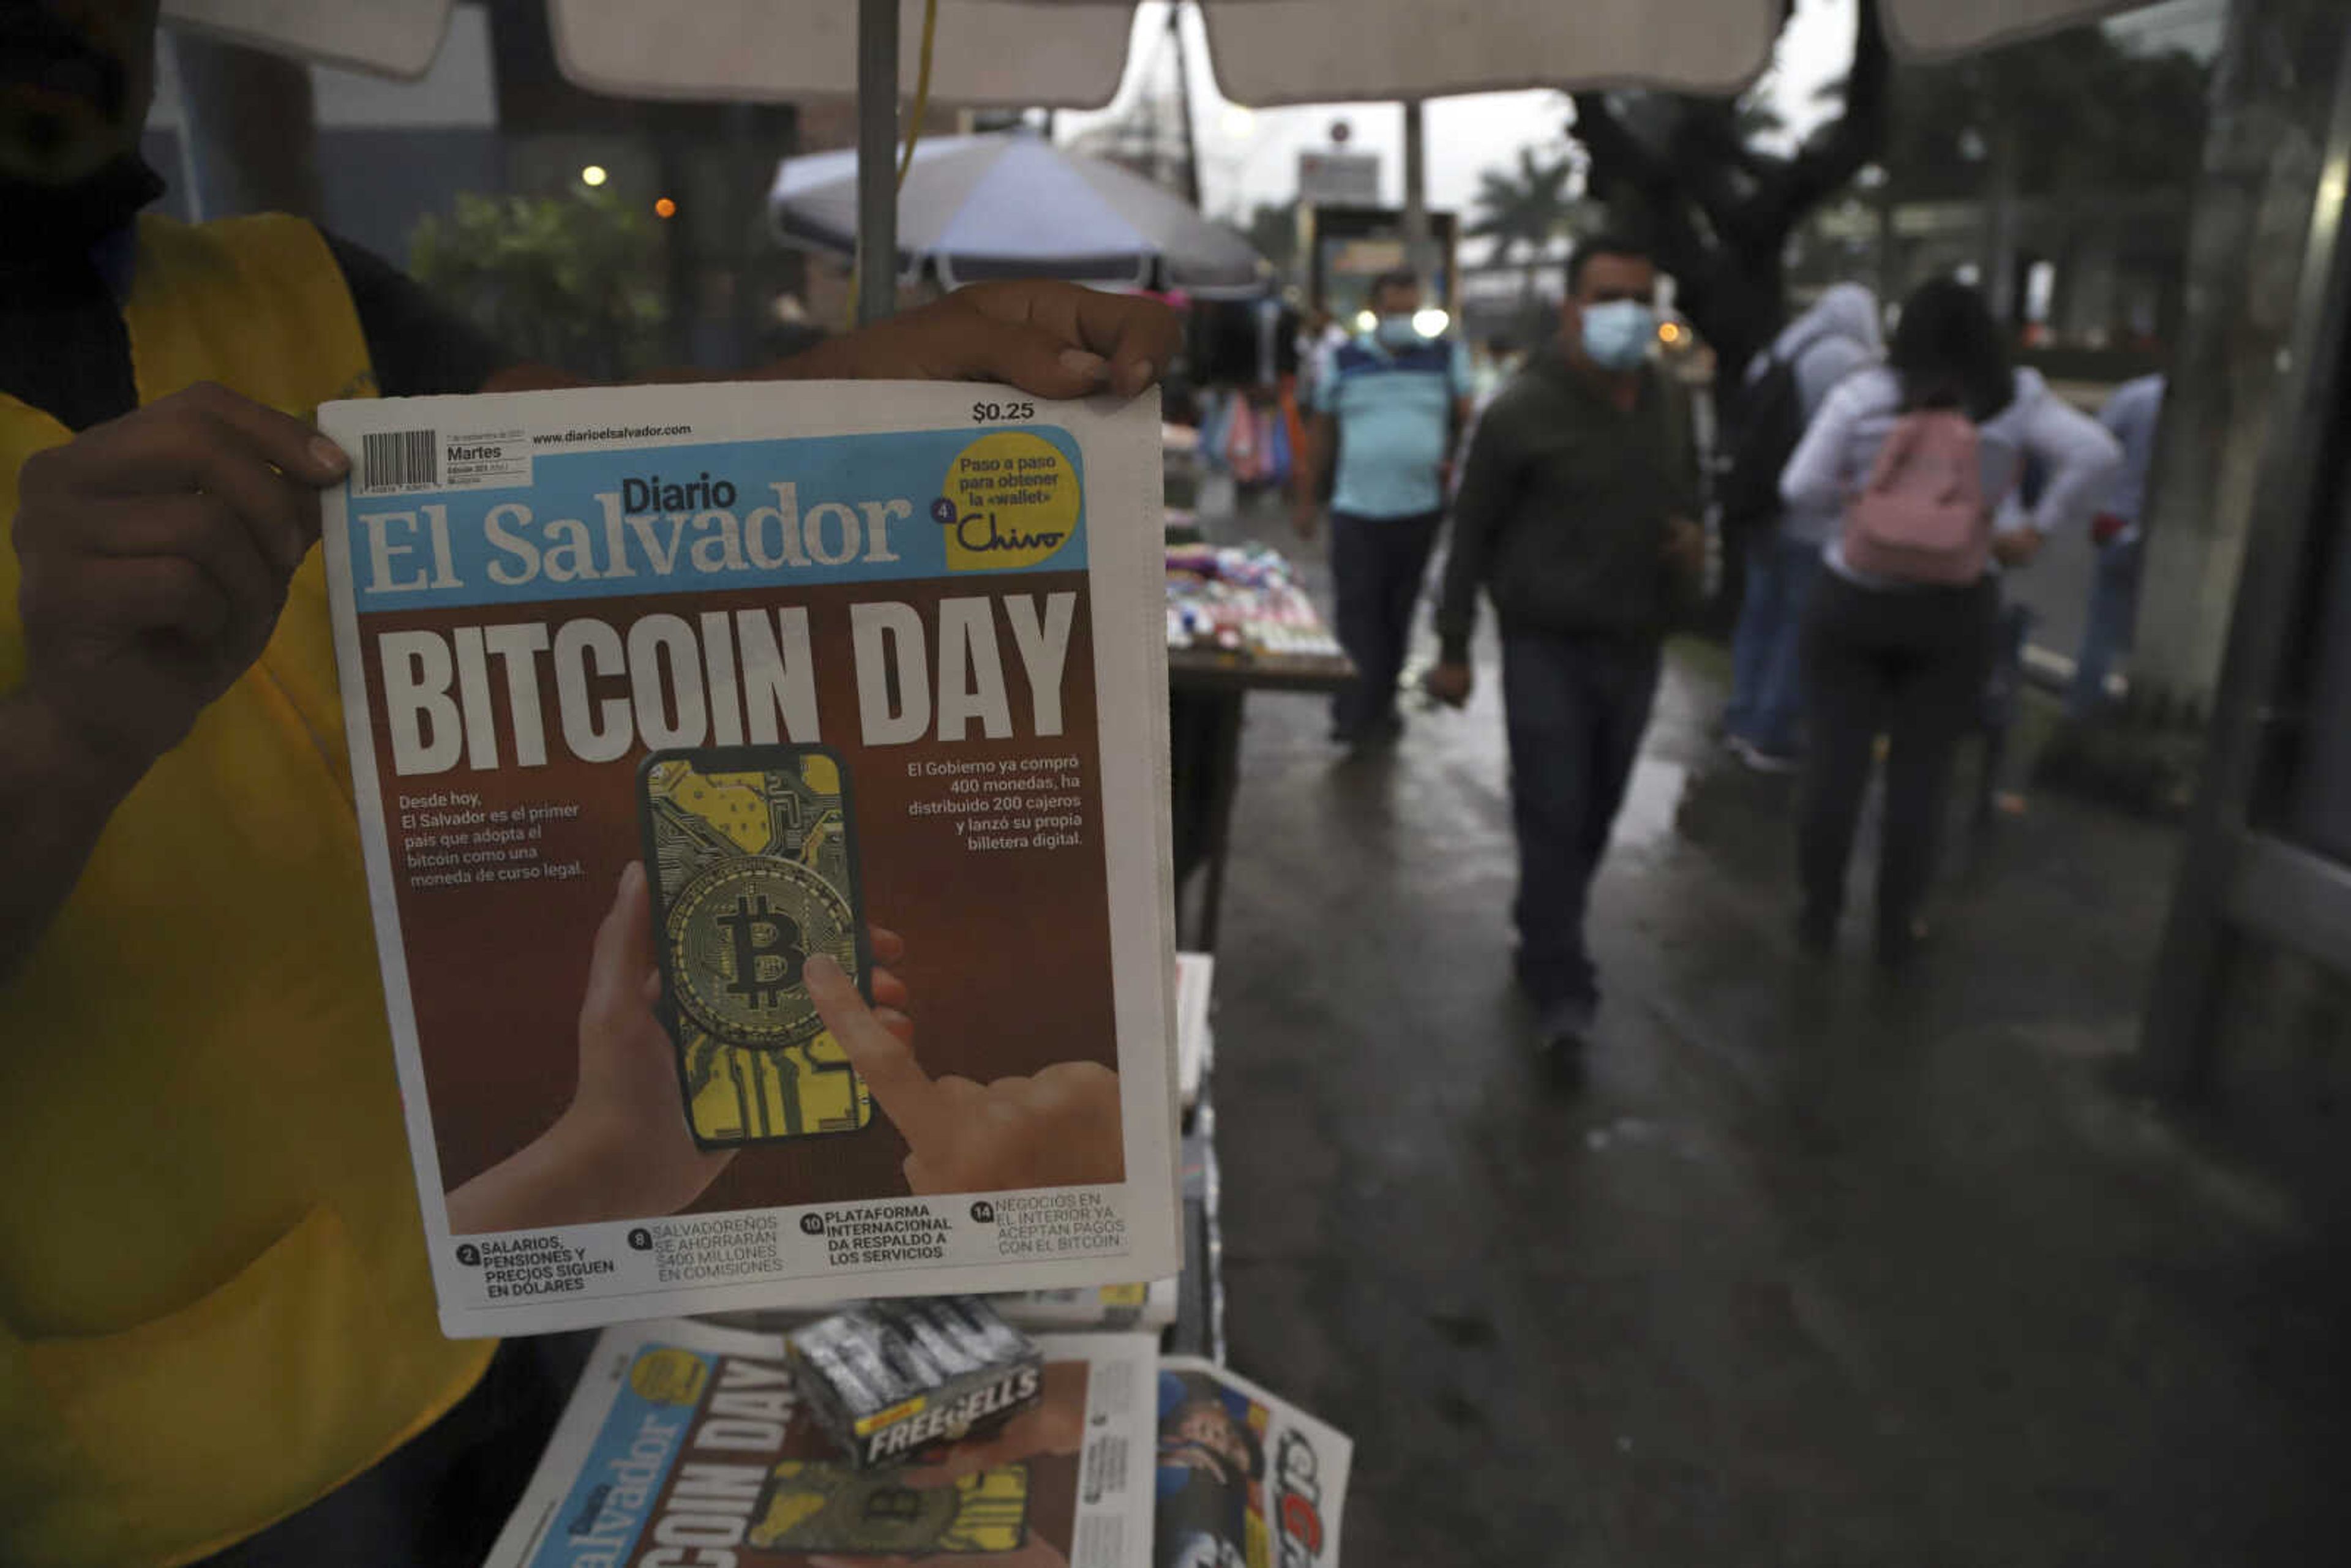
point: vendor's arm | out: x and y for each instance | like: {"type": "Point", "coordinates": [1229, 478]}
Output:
{"type": "Point", "coordinates": [1048, 338]}
{"type": "Point", "coordinates": [1045, 337]}
{"type": "Point", "coordinates": [155, 553]}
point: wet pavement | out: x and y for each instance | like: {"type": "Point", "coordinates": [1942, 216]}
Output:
{"type": "Point", "coordinates": [1816, 1268]}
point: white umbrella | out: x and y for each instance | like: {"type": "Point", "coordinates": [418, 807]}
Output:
{"type": "Point", "coordinates": [1014, 205]}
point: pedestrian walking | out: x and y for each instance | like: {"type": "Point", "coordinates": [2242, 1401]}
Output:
{"type": "Point", "coordinates": [1923, 457]}
{"type": "Point", "coordinates": [1389, 405]}
{"type": "Point", "coordinates": [1576, 517]}
{"type": "Point", "coordinates": [1785, 391]}
{"type": "Point", "coordinates": [2130, 416]}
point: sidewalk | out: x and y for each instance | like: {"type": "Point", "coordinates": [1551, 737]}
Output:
{"type": "Point", "coordinates": [1817, 1269]}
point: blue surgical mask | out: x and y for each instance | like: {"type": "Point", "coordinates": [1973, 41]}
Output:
{"type": "Point", "coordinates": [1396, 333]}
{"type": "Point", "coordinates": [1617, 335]}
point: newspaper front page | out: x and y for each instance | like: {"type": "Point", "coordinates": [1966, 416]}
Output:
{"type": "Point", "coordinates": [688, 1445]}
{"type": "Point", "coordinates": [763, 795]}
{"type": "Point", "coordinates": [1245, 1480]}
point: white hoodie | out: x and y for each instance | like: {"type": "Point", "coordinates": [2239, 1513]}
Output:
{"type": "Point", "coordinates": [1836, 337]}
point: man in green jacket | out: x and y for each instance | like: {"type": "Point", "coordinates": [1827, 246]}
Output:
{"type": "Point", "coordinates": [1575, 515]}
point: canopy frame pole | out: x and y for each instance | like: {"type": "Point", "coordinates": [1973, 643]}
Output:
{"type": "Point", "coordinates": [877, 158]}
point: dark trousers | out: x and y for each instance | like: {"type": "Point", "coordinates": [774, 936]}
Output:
{"type": "Point", "coordinates": [1376, 564]}
{"type": "Point", "coordinates": [1575, 707]}
{"type": "Point", "coordinates": [1908, 663]}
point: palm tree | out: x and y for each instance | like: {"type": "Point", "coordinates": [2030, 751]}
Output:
{"type": "Point", "coordinates": [1527, 208]}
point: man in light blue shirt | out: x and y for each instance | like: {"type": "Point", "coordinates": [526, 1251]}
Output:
{"type": "Point", "coordinates": [2130, 415]}
{"type": "Point", "coordinates": [1388, 407]}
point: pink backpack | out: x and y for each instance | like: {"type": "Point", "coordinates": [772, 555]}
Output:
{"type": "Point", "coordinates": [1923, 517]}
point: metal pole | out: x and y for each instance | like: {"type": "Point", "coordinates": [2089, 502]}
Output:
{"type": "Point", "coordinates": [877, 158]}
{"type": "Point", "coordinates": [1416, 194]}
{"type": "Point", "coordinates": [1184, 105]}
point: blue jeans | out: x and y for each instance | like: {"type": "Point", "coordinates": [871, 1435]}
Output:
{"type": "Point", "coordinates": [2114, 605]}
{"type": "Point", "coordinates": [1376, 565]}
{"type": "Point", "coordinates": [1767, 686]}
{"type": "Point", "coordinates": [1575, 707]}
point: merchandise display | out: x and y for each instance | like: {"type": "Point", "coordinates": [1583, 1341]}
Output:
{"type": "Point", "coordinates": [1241, 600]}
{"type": "Point", "coordinates": [893, 1382]}
{"type": "Point", "coordinates": [688, 1445]}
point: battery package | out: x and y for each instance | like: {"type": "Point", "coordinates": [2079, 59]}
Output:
{"type": "Point", "coordinates": [893, 1382]}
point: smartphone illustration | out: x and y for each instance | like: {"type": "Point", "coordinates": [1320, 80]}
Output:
{"type": "Point", "coordinates": [751, 863]}
{"type": "Point", "coordinates": [818, 1506]}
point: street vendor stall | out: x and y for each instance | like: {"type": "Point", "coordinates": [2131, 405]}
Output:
{"type": "Point", "coordinates": [1236, 624]}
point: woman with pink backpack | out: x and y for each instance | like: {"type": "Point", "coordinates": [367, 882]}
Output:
{"type": "Point", "coordinates": [1923, 455]}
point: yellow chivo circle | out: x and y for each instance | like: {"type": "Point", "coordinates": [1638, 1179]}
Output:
{"type": "Point", "coordinates": [1016, 498]}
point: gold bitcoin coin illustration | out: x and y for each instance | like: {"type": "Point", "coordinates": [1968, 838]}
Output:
{"type": "Point", "coordinates": [739, 935]}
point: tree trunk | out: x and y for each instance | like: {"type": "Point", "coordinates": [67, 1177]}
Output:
{"type": "Point", "coordinates": [2270, 92]}
{"type": "Point", "coordinates": [1999, 228]}
{"type": "Point", "coordinates": [252, 140]}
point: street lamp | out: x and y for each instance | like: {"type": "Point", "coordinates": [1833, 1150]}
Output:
{"type": "Point", "coordinates": [593, 175]}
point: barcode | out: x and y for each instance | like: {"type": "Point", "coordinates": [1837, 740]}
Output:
{"type": "Point", "coordinates": [399, 458]}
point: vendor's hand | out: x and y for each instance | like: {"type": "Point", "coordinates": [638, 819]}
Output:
{"type": "Point", "coordinates": [1305, 515]}
{"type": "Point", "coordinates": [1045, 337]}
{"type": "Point", "coordinates": [1061, 1128]}
{"type": "Point", "coordinates": [155, 552]}
{"type": "Point", "coordinates": [1685, 545]}
{"type": "Point", "coordinates": [2016, 547]}
{"type": "Point", "coordinates": [1449, 684]}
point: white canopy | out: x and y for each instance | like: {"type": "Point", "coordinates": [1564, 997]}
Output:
{"type": "Point", "coordinates": [1071, 53]}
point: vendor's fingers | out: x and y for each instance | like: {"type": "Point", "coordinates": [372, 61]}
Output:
{"type": "Point", "coordinates": [157, 593]}
{"type": "Point", "coordinates": [1029, 357]}
{"type": "Point", "coordinates": [1135, 336]}
{"type": "Point", "coordinates": [900, 1086]}
{"type": "Point", "coordinates": [887, 944]}
{"type": "Point", "coordinates": [266, 466]}
{"type": "Point", "coordinates": [897, 1023]}
{"type": "Point", "coordinates": [202, 529]}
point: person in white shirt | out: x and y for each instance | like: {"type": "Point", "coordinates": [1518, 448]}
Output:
{"type": "Point", "coordinates": [1909, 660]}
{"type": "Point", "coordinates": [2119, 532]}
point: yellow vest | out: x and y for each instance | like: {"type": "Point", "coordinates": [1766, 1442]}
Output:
{"type": "Point", "coordinates": [214, 1306]}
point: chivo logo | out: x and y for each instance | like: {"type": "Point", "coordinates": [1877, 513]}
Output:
{"type": "Point", "coordinates": [1298, 1501]}
{"type": "Point", "coordinates": [1010, 500]}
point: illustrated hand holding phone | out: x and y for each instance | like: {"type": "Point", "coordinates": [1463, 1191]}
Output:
{"type": "Point", "coordinates": [1058, 1128]}
{"type": "Point", "coordinates": [621, 1150]}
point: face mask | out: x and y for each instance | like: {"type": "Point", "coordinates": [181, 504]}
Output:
{"type": "Point", "coordinates": [1617, 335]}
{"type": "Point", "coordinates": [1397, 332]}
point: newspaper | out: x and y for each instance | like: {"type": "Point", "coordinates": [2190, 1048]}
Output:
{"type": "Point", "coordinates": [1195, 975]}
{"type": "Point", "coordinates": [762, 791]}
{"type": "Point", "coordinates": [686, 1444]}
{"type": "Point", "coordinates": [1145, 1306]}
{"type": "Point", "coordinates": [1245, 1480]}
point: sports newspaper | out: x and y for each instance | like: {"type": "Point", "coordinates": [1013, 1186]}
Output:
{"type": "Point", "coordinates": [686, 1444]}
{"type": "Point", "coordinates": [1245, 1480]}
{"type": "Point", "coordinates": [763, 793]}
